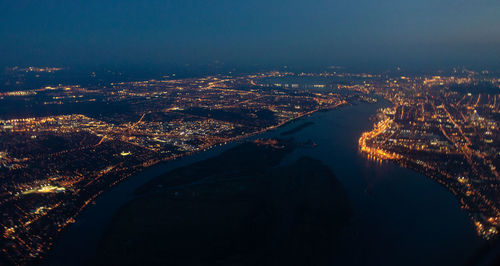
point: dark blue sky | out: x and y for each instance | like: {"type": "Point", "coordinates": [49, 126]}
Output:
{"type": "Point", "coordinates": [358, 33]}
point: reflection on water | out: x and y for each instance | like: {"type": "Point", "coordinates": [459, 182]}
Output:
{"type": "Point", "coordinates": [400, 217]}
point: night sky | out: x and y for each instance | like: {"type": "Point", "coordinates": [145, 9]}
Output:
{"type": "Point", "coordinates": [354, 33]}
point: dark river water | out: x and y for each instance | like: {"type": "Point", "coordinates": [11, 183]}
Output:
{"type": "Point", "coordinates": [400, 217]}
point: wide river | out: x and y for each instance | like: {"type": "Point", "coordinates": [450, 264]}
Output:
{"type": "Point", "coordinates": [400, 217]}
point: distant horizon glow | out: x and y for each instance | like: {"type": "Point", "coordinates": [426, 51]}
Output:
{"type": "Point", "coordinates": [362, 34]}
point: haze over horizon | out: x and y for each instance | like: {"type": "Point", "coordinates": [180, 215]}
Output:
{"type": "Point", "coordinates": [262, 132]}
{"type": "Point", "coordinates": [360, 34]}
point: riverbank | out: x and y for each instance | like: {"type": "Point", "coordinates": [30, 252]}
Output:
{"type": "Point", "coordinates": [235, 208]}
{"type": "Point", "coordinates": [394, 209]}
{"type": "Point", "coordinates": [91, 221]}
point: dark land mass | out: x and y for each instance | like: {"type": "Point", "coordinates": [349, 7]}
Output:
{"type": "Point", "coordinates": [15, 108]}
{"type": "Point", "coordinates": [480, 87]}
{"type": "Point", "coordinates": [239, 208]}
{"type": "Point", "coordinates": [297, 128]}
{"type": "Point", "coordinates": [236, 115]}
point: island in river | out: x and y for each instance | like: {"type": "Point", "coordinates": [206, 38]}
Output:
{"type": "Point", "coordinates": [243, 207]}
{"type": "Point", "coordinates": [399, 217]}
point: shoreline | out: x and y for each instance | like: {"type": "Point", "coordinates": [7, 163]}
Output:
{"type": "Point", "coordinates": [370, 186]}
{"type": "Point", "coordinates": [166, 163]}
{"type": "Point", "coordinates": [247, 193]}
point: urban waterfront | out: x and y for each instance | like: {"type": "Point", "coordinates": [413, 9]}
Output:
{"type": "Point", "coordinates": [399, 217]}
{"type": "Point", "coordinates": [250, 133]}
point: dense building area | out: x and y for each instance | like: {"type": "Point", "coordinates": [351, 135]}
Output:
{"type": "Point", "coordinates": [448, 129]}
{"type": "Point", "coordinates": [77, 142]}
